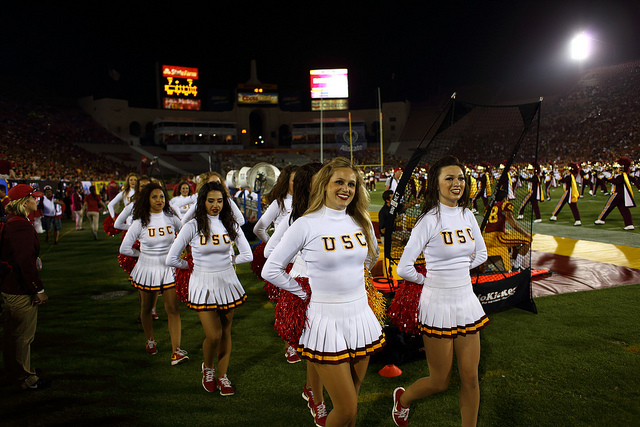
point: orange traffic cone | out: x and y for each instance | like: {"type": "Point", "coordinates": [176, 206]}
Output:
{"type": "Point", "coordinates": [390, 371]}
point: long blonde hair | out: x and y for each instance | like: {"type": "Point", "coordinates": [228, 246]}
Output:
{"type": "Point", "coordinates": [203, 178]}
{"type": "Point", "coordinates": [358, 209]}
{"type": "Point", "coordinates": [17, 207]}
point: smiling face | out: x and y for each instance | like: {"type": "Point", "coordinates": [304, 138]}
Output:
{"type": "Point", "coordinates": [341, 189]}
{"type": "Point", "coordinates": [451, 182]}
{"type": "Point", "coordinates": [184, 190]}
{"type": "Point", "coordinates": [132, 181]}
{"type": "Point", "coordinates": [156, 201]}
{"type": "Point", "coordinates": [214, 202]}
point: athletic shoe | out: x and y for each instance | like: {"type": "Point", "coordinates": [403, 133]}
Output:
{"type": "Point", "coordinates": [292, 355]}
{"type": "Point", "coordinates": [307, 394]}
{"type": "Point", "coordinates": [537, 220]}
{"type": "Point", "coordinates": [629, 227]}
{"type": "Point", "coordinates": [578, 222]}
{"type": "Point", "coordinates": [399, 413]}
{"type": "Point", "coordinates": [226, 389]}
{"type": "Point", "coordinates": [179, 356]}
{"type": "Point", "coordinates": [209, 378]}
{"type": "Point", "coordinates": [520, 217]}
{"type": "Point", "coordinates": [154, 314]}
{"type": "Point", "coordinates": [598, 222]}
{"type": "Point", "coordinates": [553, 218]}
{"type": "Point", "coordinates": [320, 414]}
{"type": "Point", "coordinates": [152, 346]}
{"type": "Point", "coordinates": [41, 384]}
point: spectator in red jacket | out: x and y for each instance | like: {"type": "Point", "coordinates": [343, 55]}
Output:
{"type": "Point", "coordinates": [21, 288]}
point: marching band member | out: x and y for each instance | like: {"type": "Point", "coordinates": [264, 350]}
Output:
{"type": "Point", "coordinates": [570, 195]}
{"type": "Point", "coordinates": [621, 194]}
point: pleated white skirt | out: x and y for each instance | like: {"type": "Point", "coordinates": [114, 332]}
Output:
{"type": "Point", "coordinates": [152, 274]}
{"type": "Point", "coordinates": [447, 312]}
{"type": "Point", "coordinates": [215, 290]}
{"type": "Point", "coordinates": [340, 328]}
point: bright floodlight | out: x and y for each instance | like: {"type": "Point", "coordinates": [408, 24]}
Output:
{"type": "Point", "coordinates": [580, 46]}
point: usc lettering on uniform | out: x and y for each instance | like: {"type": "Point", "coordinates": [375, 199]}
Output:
{"type": "Point", "coordinates": [162, 231]}
{"type": "Point", "coordinates": [447, 236]}
{"type": "Point", "coordinates": [329, 242]}
{"type": "Point", "coordinates": [216, 239]}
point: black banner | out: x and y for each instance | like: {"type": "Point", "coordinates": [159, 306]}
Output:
{"type": "Point", "coordinates": [513, 291]}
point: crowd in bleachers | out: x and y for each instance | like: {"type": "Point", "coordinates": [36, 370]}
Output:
{"type": "Point", "coordinates": [597, 120]}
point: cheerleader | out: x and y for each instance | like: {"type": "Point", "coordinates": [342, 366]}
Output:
{"type": "Point", "coordinates": [449, 314]}
{"type": "Point", "coordinates": [279, 199]}
{"type": "Point", "coordinates": [312, 391]}
{"type": "Point", "coordinates": [183, 201]}
{"type": "Point", "coordinates": [214, 288]}
{"type": "Point", "coordinates": [155, 226]}
{"type": "Point", "coordinates": [126, 195]}
{"type": "Point", "coordinates": [335, 238]}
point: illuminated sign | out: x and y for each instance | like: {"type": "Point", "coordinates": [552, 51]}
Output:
{"type": "Point", "coordinates": [332, 83]}
{"type": "Point", "coordinates": [257, 98]}
{"type": "Point", "coordinates": [180, 88]}
{"type": "Point", "coordinates": [329, 104]}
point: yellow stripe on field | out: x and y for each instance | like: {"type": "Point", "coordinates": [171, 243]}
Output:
{"type": "Point", "coordinates": [624, 256]}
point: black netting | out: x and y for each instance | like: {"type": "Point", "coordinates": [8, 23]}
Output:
{"type": "Point", "coordinates": [499, 145]}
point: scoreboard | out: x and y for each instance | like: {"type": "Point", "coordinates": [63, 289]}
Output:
{"type": "Point", "coordinates": [180, 88]}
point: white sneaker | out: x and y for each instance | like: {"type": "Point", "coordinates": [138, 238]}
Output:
{"type": "Point", "coordinates": [598, 222]}
{"type": "Point", "coordinates": [537, 220]}
{"type": "Point", "coordinates": [553, 218]}
{"type": "Point", "coordinates": [577, 223]}
{"type": "Point", "coordinates": [520, 217]}
{"type": "Point", "coordinates": [629, 227]}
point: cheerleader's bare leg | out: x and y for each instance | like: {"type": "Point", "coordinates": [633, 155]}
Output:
{"type": "Point", "coordinates": [314, 381]}
{"type": "Point", "coordinates": [343, 382]}
{"type": "Point", "coordinates": [217, 343]}
{"type": "Point", "coordinates": [224, 348]}
{"type": "Point", "coordinates": [467, 350]}
{"type": "Point", "coordinates": [146, 304]}
{"type": "Point", "coordinates": [171, 306]}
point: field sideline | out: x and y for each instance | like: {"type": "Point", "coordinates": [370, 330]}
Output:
{"type": "Point", "coordinates": [575, 363]}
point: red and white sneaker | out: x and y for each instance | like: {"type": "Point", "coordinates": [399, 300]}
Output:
{"type": "Point", "coordinates": [307, 394]}
{"type": "Point", "coordinates": [399, 413]}
{"type": "Point", "coordinates": [179, 356]}
{"type": "Point", "coordinates": [320, 414]}
{"type": "Point", "coordinates": [226, 389]}
{"type": "Point", "coordinates": [292, 355]}
{"type": "Point", "coordinates": [152, 346]}
{"type": "Point", "coordinates": [209, 379]}
{"type": "Point", "coordinates": [154, 314]}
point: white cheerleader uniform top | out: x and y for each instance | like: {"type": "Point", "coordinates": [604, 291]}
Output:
{"type": "Point", "coordinates": [181, 204]}
{"type": "Point", "coordinates": [120, 198]}
{"type": "Point", "coordinates": [334, 248]}
{"type": "Point", "coordinates": [211, 253]}
{"type": "Point", "coordinates": [155, 238]}
{"type": "Point", "coordinates": [274, 214]}
{"type": "Point", "coordinates": [452, 244]}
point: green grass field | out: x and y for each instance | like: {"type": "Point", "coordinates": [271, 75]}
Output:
{"type": "Point", "coordinates": [576, 363]}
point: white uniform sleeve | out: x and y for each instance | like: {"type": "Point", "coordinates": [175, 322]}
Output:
{"type": "Point", "coordinates": [417, 241]}
{"type": "Point", "coordinates": [270, 215]}
{"type": "Point", "coordinates": [182, 240]}
{"type": "Point", "coordinates": [370, 262]}
{"type": "Point", "coordinates": [189, 215]}
{"type": "Point", "coordinates": [480, 254]}
{"type": "Point", "coordinates": [126, 247]}
{"type": "Point", "coordinates": [237, 213]}
{"type": "Point", "coordinates": [112, 204]}
{"type": "Point", "coordinates": [245, 254]}
{"type": "Point", "coordinates": [121, 221]}
{"type": "Point", "coordinates": [275, 238]}
{"type": "Point", "coordinates": [273, 271]}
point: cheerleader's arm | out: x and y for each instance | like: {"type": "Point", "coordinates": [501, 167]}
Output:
{"type": "Point", "coordinates": [177, 247]}
{"type": "Point", "coordinates": [245, 254]}
{"type": "Point", "coordinates": [260, 229]}
{"type": "Point", "coordinates": [126, 247]}
{"type": "Point", "coordinates": [371, 261]}
{"type": "Point", "coordinates": [189, 215]}
{"type": "Point", "coordinates": [111, 207]}
{"type": "Point", "coordinates": [274, 268]}
{"type": "Point", "coordinates": [237, 213]}
{"type": "Point", "coordinates": [121, 221]}
{"type": "Point", "coordinates": [275, 238]}
{"type": "Point", "coordinates": [416, 244]}
{"type": "Point", "coordinates": [479, 256]}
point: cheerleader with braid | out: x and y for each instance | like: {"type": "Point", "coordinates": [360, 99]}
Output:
{"type": "Point", "coordinates": [449, 313]}
{"type": "Point", "coordinates": [335, 239]}
{"type": "Point", "coordinates": [155, 226]}
{"type": "Point", "coordinates": [214, 288]}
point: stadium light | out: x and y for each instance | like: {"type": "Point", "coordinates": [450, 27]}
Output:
{"type": "Point", "coordinates": [580, 47]}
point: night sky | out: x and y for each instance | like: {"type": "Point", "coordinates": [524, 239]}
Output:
{"type": "Point", "coordinates": [410, 49]}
